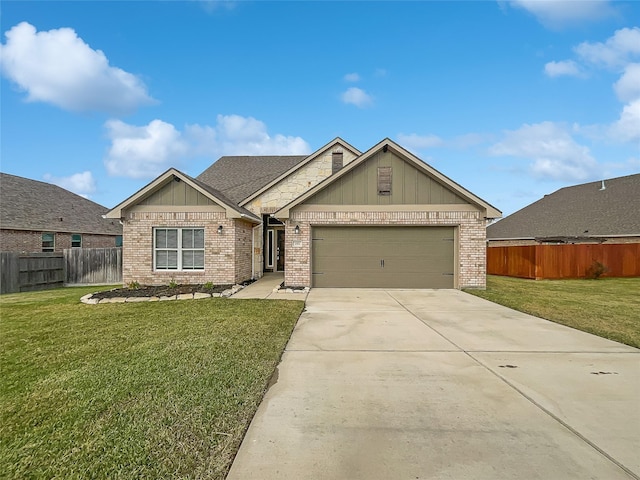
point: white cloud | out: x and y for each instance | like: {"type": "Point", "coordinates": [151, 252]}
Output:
{"type": "Point", "coordinates": [627, 128]}
{"type": "Point", "coordinates": [58, 67]}
{"type": "Point", "coordinates": [627, 88]}
{"type": "Point", "coordinates": [414, 141]}
{"type": "Point", "coordinates": [357, 97]}
{"type": "Point", "coordinates": [82, 184]}
{"type": "Point", "coordinates": [615, 52]}
{"type": "Point", "coordinates": [352, 77]}
{"type": "Point", "coordinates": [563, 68]}
{"type": "Point", "coordinates": [560, 13]}
{"type": "Point", "coordinates": [147, 151]}
{"type": "Point", "coordinates": [553, 151]}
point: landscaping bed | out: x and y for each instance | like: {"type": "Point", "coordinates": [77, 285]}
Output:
{"type": "Point", "coordinates": [160, 291]}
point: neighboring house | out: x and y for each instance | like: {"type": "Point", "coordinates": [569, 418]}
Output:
{"type": "Point", "coordinates": [596, 212]}
{"type": "Point", "coordinates": [41, 217]}
{"type": "Point", "coordinates": [335, 218]}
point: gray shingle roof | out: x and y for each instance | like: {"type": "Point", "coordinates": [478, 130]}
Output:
{"type": "Point", "coordinates": [579, 211]}
{"type": "Point", "coordinates": [27, 204]}
{"type": "Point", "coordinates": [237, 177]}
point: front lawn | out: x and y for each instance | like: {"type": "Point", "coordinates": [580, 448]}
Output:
{"type": "Point", "coordinates": [140, 390]}
{"type": "Point", "coordinates": [608, 307]}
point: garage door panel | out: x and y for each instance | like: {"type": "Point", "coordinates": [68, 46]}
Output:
{"type": "Point", "coordinates": [384, 257]}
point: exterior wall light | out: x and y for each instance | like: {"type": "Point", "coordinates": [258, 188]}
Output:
{"type": "Point", "coordinates": [296, 230]}
{"type": "Point", "coordinates": [220, 230]}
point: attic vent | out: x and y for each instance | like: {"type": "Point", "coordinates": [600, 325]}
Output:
{"type": "Point", "coordinates": [336, 162]}
{"type": "Point", "coordinates": [384, 180]}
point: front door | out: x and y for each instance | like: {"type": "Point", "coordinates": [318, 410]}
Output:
{"type": "Point", "coordinates": [280, 250]}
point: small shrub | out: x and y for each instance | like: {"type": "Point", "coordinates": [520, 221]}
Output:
{"type": "Point", "coordinates": [596, 270]}
{"type": "Point", "coordinates": [173, 283]}
{"type": "Point", "coordinates": [133, 285]}
{"type": "Point", "coordinates": [208, 285]}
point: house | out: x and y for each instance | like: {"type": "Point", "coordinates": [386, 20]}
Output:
{"type": "Point", "coordinates": [336, 218]}
{"type": "Point", "coordinates": [596, 212]}
{"type": "Point", "coordinates": [41, 217]}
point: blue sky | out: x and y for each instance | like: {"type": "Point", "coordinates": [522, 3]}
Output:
{"type": "Point", "coordinates": [511, 99]}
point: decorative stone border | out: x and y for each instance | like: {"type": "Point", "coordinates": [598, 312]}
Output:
{"type": "Point", "coordinates": [183, 296]}
{"type": "Point", "coordinates": [282, 289]}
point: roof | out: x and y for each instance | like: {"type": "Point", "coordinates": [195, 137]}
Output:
{"type": "Point", "coordinates": [585, 210]}
{"type": "Point", "coordinates": [232, 209]}
{"type": "Point", "coordinates": [27, 204]}
{"type": "Point", "coordinates": [388, 144]}
{"type": "Point", "coordinates": [237, 177]}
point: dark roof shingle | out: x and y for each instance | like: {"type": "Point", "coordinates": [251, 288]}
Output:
{"type": "Point", "coordinates": [27, 204]}
{"type": "Point", "coordinates": [237, 177]}
{"type": "Point", "coordinates": [578, 211]}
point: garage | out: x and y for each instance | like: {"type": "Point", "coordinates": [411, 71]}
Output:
{"type": "Point", "coordinates": [383, 257]}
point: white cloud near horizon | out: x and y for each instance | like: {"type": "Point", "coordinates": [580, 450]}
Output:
{"type": "Point", "coordinates": [82, 184]}
{"type": "Point", "coordinates": [413, 141]}
{"type": "Point", "coordinates": [358, 97]}
{"type": "Point", "coordinates": [59, 68]}
{"type": "Point", "coordinates": [148, 150]}
{"type": "Point", "coordinates": [615, 52]}
{"type": "Point", "coordinates": [560, 13]}
{"type": "Point", "coordinates": [562, 68]}
{"type": "Point", "coordinates": [553, 152]}
{"type": "Point", "coordinates": [627, 87]}
{"type": "Point", "coordinates": [352, 77]}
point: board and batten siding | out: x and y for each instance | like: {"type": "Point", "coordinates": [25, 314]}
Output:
{"type": "Point", "coordinates": [409, 186]}
{"type": "Point", "coordinates": [176, 193]}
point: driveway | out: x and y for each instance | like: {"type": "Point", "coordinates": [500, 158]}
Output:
{"type": "Point", "coordinates": [439, 384]}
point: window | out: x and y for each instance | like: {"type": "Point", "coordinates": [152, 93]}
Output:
{"type": "Point", "coordinates": [336, 162]}
{"type": "Point", "coordinates": [76, 240]}
{"type": "Point", "coordinates": [118, 240]}
{"type": "Point", "coordinates": [384, 180]}
{"type": "Point", "coordinates": [178, 249]}
{"type": "Point", "coordinates": [48, 242]}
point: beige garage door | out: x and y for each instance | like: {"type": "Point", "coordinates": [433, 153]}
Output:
{"type": "Point", "coordinates": [383, 257]}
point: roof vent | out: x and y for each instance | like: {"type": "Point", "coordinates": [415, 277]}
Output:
{"type": "Point", "coordinates": [603, 187]}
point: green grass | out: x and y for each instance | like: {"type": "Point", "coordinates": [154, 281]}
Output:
{"type": "Point", "coordinates": [608, 307]}
{"type": "Point", "coordinates": [140, 390]}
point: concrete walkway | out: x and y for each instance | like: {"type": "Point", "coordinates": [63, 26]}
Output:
{"type": "Point", "coordinates": [263, 288]}
{"type": "Point", "coordinates": [438, 384]}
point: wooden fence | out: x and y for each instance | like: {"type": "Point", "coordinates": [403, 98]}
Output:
{"type": "Point", "coordinates": [93, 265]}
{"type": "Point", "coordinates": [40, 271]}
{"type": "Point", "coordinates": [564, 261]}
{"type": "Point", "coordinates": [33, 271]}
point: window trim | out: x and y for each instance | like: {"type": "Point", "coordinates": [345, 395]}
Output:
{"type": "Point", "coordinates": [52, 248]}
{"type": "Point", "coordinates": [80, 241]}
{"type": "Point", "coordinates": [179, 250]}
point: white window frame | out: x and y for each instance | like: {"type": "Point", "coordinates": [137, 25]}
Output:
{"type": "Point", "coordinates": [80, 241]}
{"type": "Point", "coordinates": [179, 250]}
{"type": "Point", "coordinates": [48, 249]}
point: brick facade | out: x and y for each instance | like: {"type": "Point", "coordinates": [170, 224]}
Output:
{"type": "Point", "coordinates": [227, 256]}
{"type": "Point", "coordinates": [470, 239]}
{"type": "Point", "coordinates": [25, 241]}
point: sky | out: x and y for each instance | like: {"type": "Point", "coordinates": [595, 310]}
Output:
{"type": "Point", "coordinates": [511, 99]}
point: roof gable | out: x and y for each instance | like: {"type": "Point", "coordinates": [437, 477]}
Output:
{"type": "Point", "coordinates": [388, 151]}
{"type": "Point", "coordinates": [161, 192]}
{"type": "Point", "coordinates": [585, 210]}
{"type": "Point", "coordinates": [27, 204]}
{"type": "Point", "coordinates": [334, 145]}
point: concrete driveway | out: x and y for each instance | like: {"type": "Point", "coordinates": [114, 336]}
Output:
{"type": "Point", "coordinates": [439, 384]}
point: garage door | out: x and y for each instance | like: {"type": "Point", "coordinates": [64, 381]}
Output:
{"type": "Point", "coordinates": [383, 257]}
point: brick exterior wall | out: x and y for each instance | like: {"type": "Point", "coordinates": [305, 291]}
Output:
{"type": "Point", "coordinates": [227, 258]}
{"type": "Point", "coordinates": [25, 241]}
{"type": "Point", "coordinates": [471, 239]}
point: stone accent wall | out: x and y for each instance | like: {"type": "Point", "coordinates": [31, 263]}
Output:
{"type": "Point", "coordinates": [471, 237]}
{"type": "Point", "coordinates": [25, 241]}
{"type": "Point", "coordinates": [297, 183]}
{"type": "Point", "coordinates": [221, 250]}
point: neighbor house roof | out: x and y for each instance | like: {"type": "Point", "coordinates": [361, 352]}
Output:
{"type": "Point", "coordinates": [237, 177]}
{"type": "Point", "coordinates": [232, 209]}
{"type": "Point", "coordinates": [606, 208]}
{"type": "Point", "coordinates": [387, 144]}
{"type": "Point", "coordinates": [27, 204]}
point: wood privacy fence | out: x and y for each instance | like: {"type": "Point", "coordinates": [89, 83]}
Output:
{"type": "Point", "coordinates": [93, 265]}
{"type": "Point", "coordinates": [564, 261]}
{"type": "Point", "coordinates": [40, 271]}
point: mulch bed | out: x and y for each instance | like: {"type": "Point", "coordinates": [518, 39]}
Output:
{"type": "Point", "coordinates": [159, 291]}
